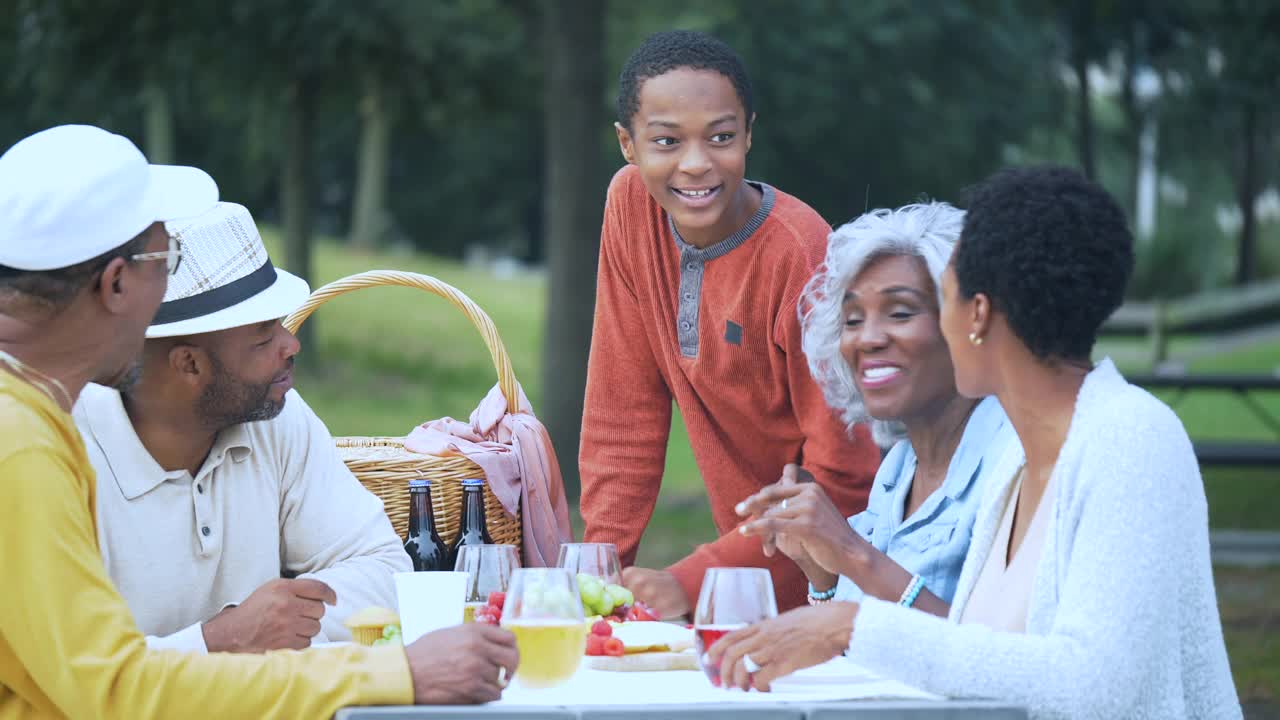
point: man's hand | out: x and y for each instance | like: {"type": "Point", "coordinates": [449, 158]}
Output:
{"type": "Point", "coordinates": [658, 589]}
{"type": "Point", "coordinates": [281, 614]}
{"type": "Point", "coordinates": [463, 665]}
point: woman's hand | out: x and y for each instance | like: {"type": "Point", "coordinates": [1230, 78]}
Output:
{"type": "Point", "coordinates": [795, 515]}
{"type": "Point", "coordinates": [780, 646]}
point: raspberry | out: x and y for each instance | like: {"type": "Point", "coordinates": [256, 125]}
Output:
{"type": "Point", "coordinates": [595, 645]}
{"type": "Point", "coordinates": [602, 628]}
{"type": "Point", "coordinates": [613, 647]}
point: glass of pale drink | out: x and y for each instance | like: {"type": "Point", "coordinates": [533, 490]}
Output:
{"type": "Point", "coordinates": [544, 611]}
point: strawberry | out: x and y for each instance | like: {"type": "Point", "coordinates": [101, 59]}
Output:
{"type": "Point", "coordinates": [613, 647]}
{"type": "Point", "coordinates": [498, 599]}
{"type": "Point", "coordinates": [641, 612]}
{"type": "Point", "coordinates": [601, 628]}
{"type": "Point", "coordinates": [595, 644]}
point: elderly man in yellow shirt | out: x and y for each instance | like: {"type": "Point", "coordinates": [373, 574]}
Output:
{"type": "Point", "coordinates": [84, 262]}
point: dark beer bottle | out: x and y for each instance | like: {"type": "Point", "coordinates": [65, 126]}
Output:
{"type": "Point", "coordinates": [424, 545]}
{"type": "Point", "coordinates": [473, 531]}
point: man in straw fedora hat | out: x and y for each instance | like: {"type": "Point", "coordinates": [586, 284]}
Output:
{"type": "Point", "coordinates": [84, 263]}
{"type": "Point", "coordinates": [216, 479]}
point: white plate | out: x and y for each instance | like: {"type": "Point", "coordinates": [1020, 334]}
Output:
{"type": "Point", "coordinates": [336, 643]}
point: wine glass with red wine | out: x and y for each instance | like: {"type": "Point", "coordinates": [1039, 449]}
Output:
{"type": "Point", "coordinates": [731, 598]}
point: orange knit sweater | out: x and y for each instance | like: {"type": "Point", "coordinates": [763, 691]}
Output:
{"type": "Point", "coordinates": [715, 330]}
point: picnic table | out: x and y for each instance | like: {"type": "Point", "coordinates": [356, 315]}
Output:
{"type": "Point", "coordinates": [1226, 453]}
{"type": "Point", "coordinates": [832, 691]}
{"type": "Point", "coordinates": [865, 710]}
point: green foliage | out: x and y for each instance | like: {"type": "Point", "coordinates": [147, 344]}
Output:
{"type": "Point", "coordinates": [836, 81]}
{"type": "Point", "coordinates": [861, 104]}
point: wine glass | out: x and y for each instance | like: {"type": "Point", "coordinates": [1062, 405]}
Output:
{"type": "Point", "coordinates": [544, 613]}
{"type": "Point", "coordinates": [599, 575]}
{"type": "Point", "coordinates": [489, 569]}
{"type": "Point", "coordinates": [731, 598]}
{"type": "Point", "coordinates": [599, 559]}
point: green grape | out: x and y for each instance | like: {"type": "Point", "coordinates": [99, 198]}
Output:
{"type": "Point", "coordinates": [620, 595]}
{"type": "Point", "coordinates": [390, 631]}
{"type": "Point", "coordinates": [592, 593]}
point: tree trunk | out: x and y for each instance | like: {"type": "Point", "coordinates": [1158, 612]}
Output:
{"type": "Point", "coordinates": [1081, 41]}
{"type": "Point", "coordinates": [1247, 197]}
{"type": "Point", "coordinates": [157, 124]}
{"type": "Point", "coordinates": [369, 216]}
{"type": "Point", "coordinates": [295, 194]}
{"type": "Point", "coordinates": [573, 202]}
{"type": "Point", "coordinates": [1133, 134]}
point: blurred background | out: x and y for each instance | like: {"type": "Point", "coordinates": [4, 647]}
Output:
{"type": "Point", "coordinates": [472, 140]}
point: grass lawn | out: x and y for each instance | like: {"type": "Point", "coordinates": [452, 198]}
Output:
{"type": "Point", "coordinates": [392, 358]}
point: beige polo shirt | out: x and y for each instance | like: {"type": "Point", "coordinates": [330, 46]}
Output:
{"type": "Point", "coordinates": [272, 499]}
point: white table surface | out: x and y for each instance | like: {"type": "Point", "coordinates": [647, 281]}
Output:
{"type": "Point", "coordinates": [838, 679]}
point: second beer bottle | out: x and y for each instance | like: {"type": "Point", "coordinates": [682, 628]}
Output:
{"type": "Point", "coordinates": [473, 530]}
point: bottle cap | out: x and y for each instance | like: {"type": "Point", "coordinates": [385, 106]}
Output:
{"type": "Point", "coordinates": [419, 483]}
{"type": "Point", "coordinates": [473, 482]}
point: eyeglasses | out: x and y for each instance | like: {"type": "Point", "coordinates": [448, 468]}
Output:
{"type": "Point", "coordinates": [172, 257]}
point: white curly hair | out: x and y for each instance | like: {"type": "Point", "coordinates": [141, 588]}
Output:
{"type": "Point", "coordinates": [928, 231]}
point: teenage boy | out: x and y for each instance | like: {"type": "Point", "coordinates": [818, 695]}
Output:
{"type": "Point", "coordinates": [700, 270]}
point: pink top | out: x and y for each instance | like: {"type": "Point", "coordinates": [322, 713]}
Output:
{"type": "Point", "coordinates": [1003, 590]}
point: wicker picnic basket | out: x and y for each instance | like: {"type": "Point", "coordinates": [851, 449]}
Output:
{"type": "Point", "coordinates": [382, 464]}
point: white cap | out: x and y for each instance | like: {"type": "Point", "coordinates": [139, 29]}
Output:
{"type": "Point", "coordinates": [71, 193]}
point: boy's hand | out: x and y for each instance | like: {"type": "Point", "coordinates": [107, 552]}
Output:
{"type": "Point", "coordinates": [658, 589]}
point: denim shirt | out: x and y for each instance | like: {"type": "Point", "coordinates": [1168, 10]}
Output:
{"type": "Point", "coordinates": [933, 542]}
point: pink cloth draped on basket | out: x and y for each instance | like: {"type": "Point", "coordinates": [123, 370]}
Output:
{"type": "Point", "coordinates": [519, 464]}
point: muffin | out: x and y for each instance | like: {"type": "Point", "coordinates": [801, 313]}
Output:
{"type": "Point", "coordinates": [368, 624]}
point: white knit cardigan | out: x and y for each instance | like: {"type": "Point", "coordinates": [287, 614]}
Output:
{"type": "Point", "coordinates": [1123, 620]}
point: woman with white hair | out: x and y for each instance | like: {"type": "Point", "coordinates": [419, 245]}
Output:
{"type": "Point", "coordinates": [872, 337]}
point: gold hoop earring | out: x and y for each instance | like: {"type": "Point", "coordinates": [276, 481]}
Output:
{"type": "Point", "coordinates": [975, 339]}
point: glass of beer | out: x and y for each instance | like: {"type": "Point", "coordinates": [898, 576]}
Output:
{"type": "Point", "coordinates": [489, 569]}
{"type": "Point", "coordinates": [544, 611]}
{"type": "Point", "coordinates": [730, 598]}
{"type": "Point", "coordinates": [599, 559]}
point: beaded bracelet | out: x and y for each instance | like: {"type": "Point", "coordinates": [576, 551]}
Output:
{"type": "Point", "coordinates": [820, 597]}
{"type": "Point", "coordinates": [912, 590]}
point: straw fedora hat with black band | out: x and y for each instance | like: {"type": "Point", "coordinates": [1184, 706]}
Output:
{"type": "Point", "coordinates": [226, 279]}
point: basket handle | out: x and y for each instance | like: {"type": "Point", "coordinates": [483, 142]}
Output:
{"type": "Point", "coordinates": [478, 318]}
